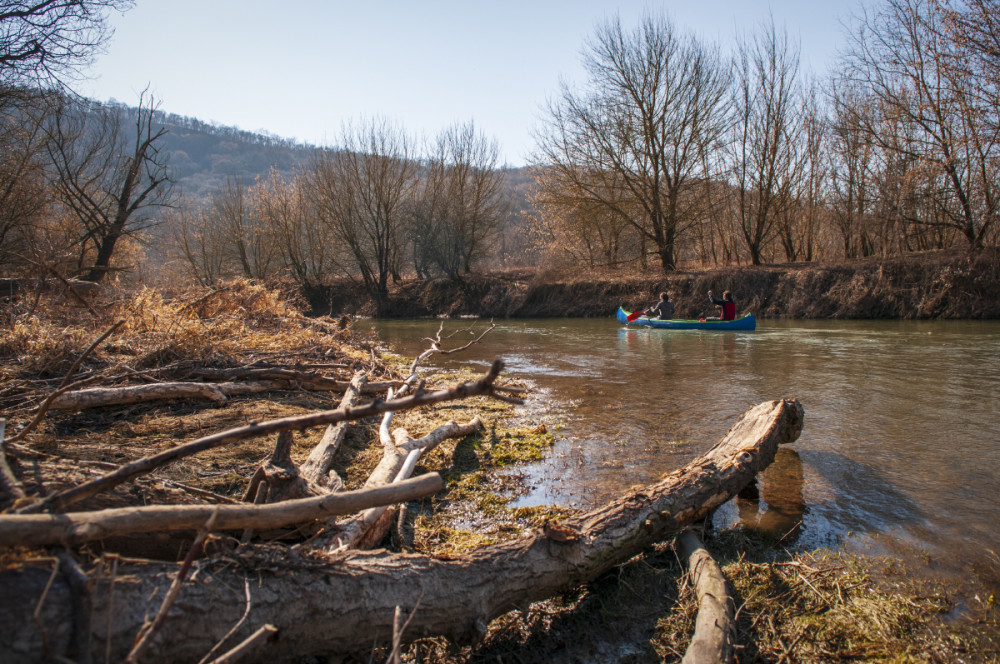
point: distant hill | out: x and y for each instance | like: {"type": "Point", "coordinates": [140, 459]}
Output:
{"type": "Point", "coordinates": [204, 155]}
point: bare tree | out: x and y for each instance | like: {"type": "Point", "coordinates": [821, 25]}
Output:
{"type": "Point", "coordinates": [765, 151]}
{"type": "Point", "coordinates": [633, 140]}
{"type": "Point", "coordinates": [24, 193]}
{"type": "Point", "coordinates": [112, 179]}
{"type": "Point", "coordinates": [45, 41]}
{"type": "Point", "coordinates": [362, 191]}
{"type": "Point", "coordinates": [461, 203]}
{"type": "Point", "coordinates": [307, 249]}
{"type": "Point", "coordinates": [853, 156]}
{"type": "Point", "coordinates": [568, 223]}
{"type": "Point", "coordinates": [907, 59]}
{"type": "Point", "coordinates": [801, 224]}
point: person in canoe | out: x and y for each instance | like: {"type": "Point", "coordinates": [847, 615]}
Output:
{"type": "Point", "coordinates": [727, 308]}
{"type": "Point", "coordinates": [664, 309]}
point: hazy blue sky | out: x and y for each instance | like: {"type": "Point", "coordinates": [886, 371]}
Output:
{"type": "Point", "coordinates": [300, 68]}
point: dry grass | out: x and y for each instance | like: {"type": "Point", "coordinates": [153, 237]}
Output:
{"type": "Point", "coordinates": [241, 325]}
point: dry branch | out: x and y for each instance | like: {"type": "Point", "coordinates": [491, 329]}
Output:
{"type": "Point", "coordinates": [368, 528]}
{"type": "Point", "coordinates": [63, 499]}
{"type": "Point", "coordinates": [265, 633]}
{"type": "Point", "coordinates": [78, 527]}
{"type": "Point", "coordinates": [317, 465]}
{"type": "Point", "coordinates": [312, 380]}
{"type": "Point", "coordinates": [346, 604]}
{"type": "Point", "coordinates": [95, 397]}
{"type": "Point", "coordinates": [714, 640]}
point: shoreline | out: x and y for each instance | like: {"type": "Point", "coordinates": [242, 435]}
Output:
{"type": "Point", "coordinates": [953, 285]}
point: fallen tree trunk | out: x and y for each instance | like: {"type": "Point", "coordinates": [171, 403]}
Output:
{"type": "Point", "coordinates": [348, 602]}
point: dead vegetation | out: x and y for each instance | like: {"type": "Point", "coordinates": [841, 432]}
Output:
{"type": "Point", "coordinates": [246, 333]}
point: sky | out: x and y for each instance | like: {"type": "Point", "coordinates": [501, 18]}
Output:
{"type": "Point", "coordinates": [300, 69]}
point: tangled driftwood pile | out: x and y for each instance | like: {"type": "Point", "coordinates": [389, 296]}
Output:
{"type": "Point", "coordinates": [285, 571]}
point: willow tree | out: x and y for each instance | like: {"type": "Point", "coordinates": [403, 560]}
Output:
{"type": "Point", "coordinates": [633, 138]}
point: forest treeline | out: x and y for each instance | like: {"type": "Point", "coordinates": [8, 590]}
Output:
{"type": "Point", "coordinates": [672, 152]}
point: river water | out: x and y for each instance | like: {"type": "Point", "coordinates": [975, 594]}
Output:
{"type": "Point", "coordinates": [899, 455]}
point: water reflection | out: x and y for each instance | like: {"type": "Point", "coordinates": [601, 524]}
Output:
{"type": "Point", "coordinates": [776, 503]}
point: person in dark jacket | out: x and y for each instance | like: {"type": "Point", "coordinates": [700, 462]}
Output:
{"type": "Point", "coordinates": [664, 309]}
{"type": "Point", "coordinates": [727, 308]}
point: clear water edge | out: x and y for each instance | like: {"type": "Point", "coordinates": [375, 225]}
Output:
{"type": "Point", "coordinates": [900, 452]}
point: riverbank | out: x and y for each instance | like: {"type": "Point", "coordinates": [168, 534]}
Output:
{"type": "Point", "coordinates": [794, 606]}
{"type": "Point", "coordinates": [934, 285]}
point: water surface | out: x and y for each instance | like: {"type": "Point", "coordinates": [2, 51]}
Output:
{"type": "Point", "coordinates": [900, 448]}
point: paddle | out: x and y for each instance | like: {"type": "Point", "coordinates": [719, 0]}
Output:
{"type": "Point", "coordinates": [632, 316]}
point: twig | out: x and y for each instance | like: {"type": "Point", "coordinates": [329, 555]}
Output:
{"type": "Point", "coordinates": [239, 623]}
{"type": "Point", "coordinates": [436, 345]}
{"type": "Point", "coordinates": [111, 606]}
{"type": "Point", "coordinates": [195, 491]}
{"type": "Point", "coordinates": [63, 499]}
{"type": "Point", "coordinates": [8, 481]}
{"type": "Point", "coordinates": [265, 633]}
{"type": "Point", "coordinates": [44, 406]}
{"type": "Point", "coordinates": [73, 291]}
{"type": "Point", "coordinates": [398, 630]}
{"type": "Point", "coordinates": [147, 637]}
{"type": "Point", "coordinates": [36, 614]}
{"type": "Point", "coordinates": [90, 349]}
{"type": "Point", "coordinates": [788, 650]}
{"type": "Point", "coordinates": [76, 578]}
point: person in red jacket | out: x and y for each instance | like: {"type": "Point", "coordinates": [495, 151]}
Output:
{"type": "Point", "coordinates": [726, 305]}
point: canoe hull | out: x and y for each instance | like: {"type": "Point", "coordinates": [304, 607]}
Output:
{"type": "Point", "coordinates": [746, 324]}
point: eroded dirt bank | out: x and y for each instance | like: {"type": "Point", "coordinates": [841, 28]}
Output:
{"type": "Point", "coordinates": [941, 285]}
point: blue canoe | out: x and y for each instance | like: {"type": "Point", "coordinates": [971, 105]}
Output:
{"type": "Point", "coordinates": [747, 323]}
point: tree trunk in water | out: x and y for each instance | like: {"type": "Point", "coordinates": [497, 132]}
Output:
{"type": "Point", "coordinates": [344, 603]}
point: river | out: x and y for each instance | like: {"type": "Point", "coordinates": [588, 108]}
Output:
{"type": "Point", "coordinates": [899, 455]}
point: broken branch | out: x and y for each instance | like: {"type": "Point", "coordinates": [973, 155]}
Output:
{"type": "Point", "coordinates": [78, 527]}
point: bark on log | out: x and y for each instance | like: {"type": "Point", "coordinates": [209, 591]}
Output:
{"type": "Point", "coordinates": [320, 459]}
{"type": "Point", "coordinates": [310, 379]}
{"type": "Point", "coordinates": [218, 393]}
{"type": "Point", "coordinates": [346, 604]}
{"type": "Point", "coordinates": [714, 640]}
{"type": "Point", "coordinates": [78, 527]}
